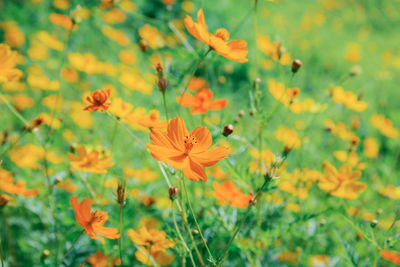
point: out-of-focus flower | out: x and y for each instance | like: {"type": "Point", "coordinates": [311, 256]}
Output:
{"type": "Point", "coordinates": [384, 125]}
{"type": "Point", "coordinates": [152, 120]}
{"type": "Point", "coordinates": [7, 185]}
{"type": "Point", "coordinates": [144, 175]}
{"type": "Point", "coordinates": [27, 156]}
{"type": "Point", "coordinates": [288, 256]}
{"type": "Point", "coordinates": [67, 185]}
{"type": "Point", "coordinates": [92, 221]}
{"type": "Point", "coordinates": [227, 191]}
{"type": "Point", "coordinates": [90, 64]}
{"type": "Point", "coordinates": [184, 150]}
{"type": "Point", "coordinates": [371, 147]}
{"type": "Point", "coordinates": [196, 83]}
{"type": "Point", "coordinates": [201, 102]}
{"type": "Point", "coordinates": [114, 16]}
{"type": "Point", "coordinates": [79, 116]}
{"type": "Point", "coordinates": [69, 75]}
{"type": "Point", "coordinates": [115, 35]}
{"type": "Point", "coordinates": [390, 191]}
{"type": "Point", "coordinates": [152, 36]}
{"type": "Point", "coordinates": [353, 53]}
{"type": "Point", "coordinates": [62, 20]}
{"type": "Point", "coordinates": [340, 130]}
{"type": "Point", "coordinates": [134, 81]}
{"type": "Point", "coordinates": [98, 100]}
{"type": "Point", "coordinates": [218, 173]}
{"type": "Point", "coordinates": [22, 101]}
{"type": "Point", "coordinates": [234, 50]}
{"type": "Point", "coordinates": [287, 136]}
{"type": "Point", "coordinates": [391, 255]}
{"type": "Point", "coordinates": [274, 50]}
{"type": "Point", "coordinates": [99, 259]}
{"type": "Point", "coordinates": [342, 183]}
{"type": "Point", "coordinates": [347, 99]}
{"type": "Point", "coordinates": [61, 4]}
{"type": "Point", "coordinates": [350, 158]}
{"type": "Point", "coordinates": [127, 57]}
{"type": "Point", "coordinates": [319, 260]}
{"type": "Point", "coordinates": [8, 63]}
{"type": "Point", "coordinates": [12, 34]}
{"type": "Point", "coordinates": [92, 161]}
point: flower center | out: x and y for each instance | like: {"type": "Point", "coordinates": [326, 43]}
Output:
{"type": "Point", "coordinates": [190, 141]}
{"type": "Point", "coordinates": [98, 99]}
{"type": "Point", "coordinates": [222, 34]}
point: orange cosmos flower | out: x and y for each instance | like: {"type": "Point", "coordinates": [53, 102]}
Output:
{"type": "Point", "coordinates": [98, 100]}
{"type": "Point", "coordinates": [227, 191]}
{"type": "Point", "coordinates": [92, 221]}
{"type": "Point", "coordinates": [152, 120]}
{"type": "Point", "coordinates": [62, 20]}
{"type": "Point", "coordinates": [7, 185]}
{"type": "Point", "coordinates": [233, 50]}
{"type": "Point", "coordinates": [201, 102]}
{"type": "Point", "coordinates": [184, 150]}
{"type": "Point", "coordinates": [99, 259]}
{"type": "Point", "coordinates": [391, 256]}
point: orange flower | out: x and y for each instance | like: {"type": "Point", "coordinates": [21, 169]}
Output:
{"type": "Point", "coordinates": [201, 102]}
{"type": "Point", "coordinates": [233, 50]}
{"type": "Point", "coordinates": [187, 151]}
{"type": "Point", "coordinates": [61, 20]}
{"type": "Point", "coordinates": [8, 62]}
{"type": "Point", "coordinates": [391, 256]}
{"type": "Point", "coordinates": [227, 191]}
{"type": "Point", "coordinates": [98, 100]}
{"type": "Point", "coordinates": [99, 259]}
{"type": "Point", "coordinates": [152, 120]}
{"type": "Point", "coordinates": [7, 185]}
{"type": "Point", "coordinates": [92, 221]}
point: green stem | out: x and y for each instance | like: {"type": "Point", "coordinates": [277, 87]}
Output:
{"type": "Point", "coordinates": [197, 224]}
{"type": "Point", "coordinates": [13, 110]}
{"type": "Point", "coordinates": [191, 76]}
{"type": "Point", "coordinates": [183, 219]}
{"type": "Point", "coordinates": [137, 139]}
{"type": "Point", "coordinates": [120, 234]}
{"type": "Point", "coordinates": [13, 144]}
{"type": "Point", "coordinates": [165, 106]}
{"type": "Point", "coordinates": [1, 253]}
{"type": "Point", "coordinates": [180, 235]}
{"type": "Point", "coordinates": [71, 247]}
{"type": "Point", "coordinates": [240, 225]}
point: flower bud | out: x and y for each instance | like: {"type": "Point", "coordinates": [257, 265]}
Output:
{"type": "Point", "coordinates": [173, 192]}
{"type": "Point", "coordinates": [45, 253]}
{"type": "Point", "coordinates": [195, 232]}
{"type": "Point", "coordinates": [241, 113]}
{"type": "Point", "coordinates": [296, 65]}
{"type": "Point", "coordinates": [143, 45]}
{"type": "Point", "coordinates": [162, 84]}
{"type": "Point", "coordinates": [120, 193]}
{"type": "Point", "coordinates": [228, 130]}
{"type": "Point", "coordinates": [355, 70]}
{"type": "Point", "coordinates": [4, 199]}
{"type": "Point", "coordinates": [322, 222]}
{"type": "Point", "coordinates": [379, 211]}
{"type": "Point", "coordinates": [374, 223]}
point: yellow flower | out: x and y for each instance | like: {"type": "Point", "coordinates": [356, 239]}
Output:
{"type": "Point", "coordinates": [151, 237]}
{"type": "Point", "coordinates": [50, 40]}
{"type": "Point", "coordinates": [384, 125]}
{"type": "Point", "coordinates": [298, 183]}
{"type": "Point", "coordinates": [371, 148]}
{"type": "Point", "coordinates": [80, 117]}
{"type": "Point", "coordinates": [8, 62]}
{"type": "Point", "coordinates": [350, 158]}
{"type": "Point", "coordinates": [67, 185]}
{"type": "Point", "coordinates": [114, 16]}
{"type": "Point", "coordinates": [115, 35]}
{"type": "Point", "coordinates": [390, 191]}
{"type": "Point", "coordinates": [50, 120]}
{"type": "Point", "coordinates": [27, 156]}
{"type": "Point", "coordinates": [160, 257]}
{"type": "Point", "coordinates": [287, 136]}
{"type": "Point", "coordinates": [267, 157]}
{"type": "Point", "coordinates": [53, 101]}
{"type": "Point", "coordinates": [273, 50]}
{"type": "Point", "coordinates": [13, 34]}
{"type": "Point", "coordinates": [90, 161]}
{"type": "Point", "coordinates": [89, 64]}
{"type": "Point", "coordinates": [342, 183]}
{"type": "Point", "coordinates": [152, 36]}
{"type": "Point", "coordinates": [22, 101]}
{"type": "Point", "coordinates": [134, 81]}
{"type": "Point", "coordinates": [353, 53]}
{"type": "Point", "coordinates": [127, 57]}
{"type": "Point", "coordinates": [340, 130]}
{"type": "Point", "coordinates": [144, 175]}
{"type": "Point", "coordinates": [348, 99]}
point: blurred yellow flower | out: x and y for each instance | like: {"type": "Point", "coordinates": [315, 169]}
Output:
{"type": "Point", "coordinates": [384, 125]}
{"type": "Point", "coordinates": [13, 35]}
{"type": "Point", "coordinates": [114, 16]}
{"type": "Point", "coordinates": [144, 175]}
{"type": "Point", "coordinates": [273, 50]}
{"type": "Point", "coordinates": [8, 62]}
{"type": "Point", "coordinates": [67, 185]}
{"type": "Point", "coordinates": [152, 36]}
{"type": "Point", "coordinates": [115, 35]}
{"type": "Point", "coordinates": [27, 156]}
{"type": "Point", "coordinates": [371, 147]}
{"type": "Point", "coordinates": [390, 191]}
{"type": "Point", "coordinates": [342, 183]}
{"type": "Point", "coordinates": [90, 161]}
{"type": "Point", "coordinates": [287, 136]}
{"type": "Point", "coordinates": [348, 99]}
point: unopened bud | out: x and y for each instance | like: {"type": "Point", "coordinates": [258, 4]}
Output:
{"type": "Point", "coordinates": [173, 192]}
{"type": "Point", "coordinates": [322, 222]}
{"type": "Point", "coordinates": [251, 112]}
{"type": "Point", "coordinates": [296, 65]}
{"type": "Point", "coordinates": [120, 193]}
{"type": "Point", "coordinates": [359, 236]}
{"type": "Point", "coordinates": [162, 84]}
{"type": "Point", "coordinates": [143, 45]}
{"type": "Point", "coordinates": [355, 70]}
{"type": "Point", "coordinates": [354, 141]}
{"type": "Point", "coordinates": [257, 80]}
{"type": "Point", "coordinates": [379, 211]}
{"type": "Point", "coordinates": [228, 130]}
{"type": "Point", "coordinates": [195, 232]}
{"type": "Point", "coordinates": [159, 69]}
{"type": "Point", "coordinates": [4, 199]}
{"type": "Point", "coordinates": [241, 113]}
{"type": "Point", "coordinates": [374, 223]}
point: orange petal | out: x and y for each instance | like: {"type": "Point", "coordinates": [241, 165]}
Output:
{"type": "Point", "coordinates": [218, 104]}
{"type": "Point", "coordinates": [204, 139]}
{"type": "Point", "coordinates": [194, 171]}
{"type": "Point", "coordinates": [210, 157]}
{"type": "Point", "coordinates": [176, 132]}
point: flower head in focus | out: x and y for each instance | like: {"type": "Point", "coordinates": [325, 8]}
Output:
{"type": "Point", "coordinates": [92, 221]}
{"type": "Point", "coordinates": [98, 100]}
{"type": "Point", "coordinates": [184, 150]}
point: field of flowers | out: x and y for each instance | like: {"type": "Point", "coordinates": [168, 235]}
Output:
{"type": "Point", "coordinates": [199, 133]}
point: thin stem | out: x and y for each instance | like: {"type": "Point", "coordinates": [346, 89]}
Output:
{"type": "Point", "coordinates": [165, 106]}
{"type": "Point", "coordinates": [13, 110]}
{"type": "Point", "coordinates": [240, 225]}
{"type": "Point", "coordinates": [191, 76]}
{"type": "Point", "coordinates": [120, 234]}
{"type": "Point", "coordinates": [183, 218]}
{"type": "Point", "coordinates": [1, 253]}
{"type": "Point", "coordinates": [196, 249]}
{"type": "Point", "coordinates": [180, 235]}
{"type": "Point", "coordinates": [195, 220]}
{"type": "Point", "coordinates": [72, 246]}
{"type": "Point", "coordinates": [126, 129]}
{"type": "Point", "coordinates": [13, 144]}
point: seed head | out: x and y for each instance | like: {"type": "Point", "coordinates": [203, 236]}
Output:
{"type": "Point", "coordinates": [228, 130]}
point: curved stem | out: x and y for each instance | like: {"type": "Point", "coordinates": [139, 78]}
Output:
{"type": "Point", "coordinates": [191, 76]}
{"type": "Point", "coordinates": [71, 247]}
{"type": "Point", "coordinates": [180, 235]}
{"type": "Point", "coordinates": [197, 224]}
